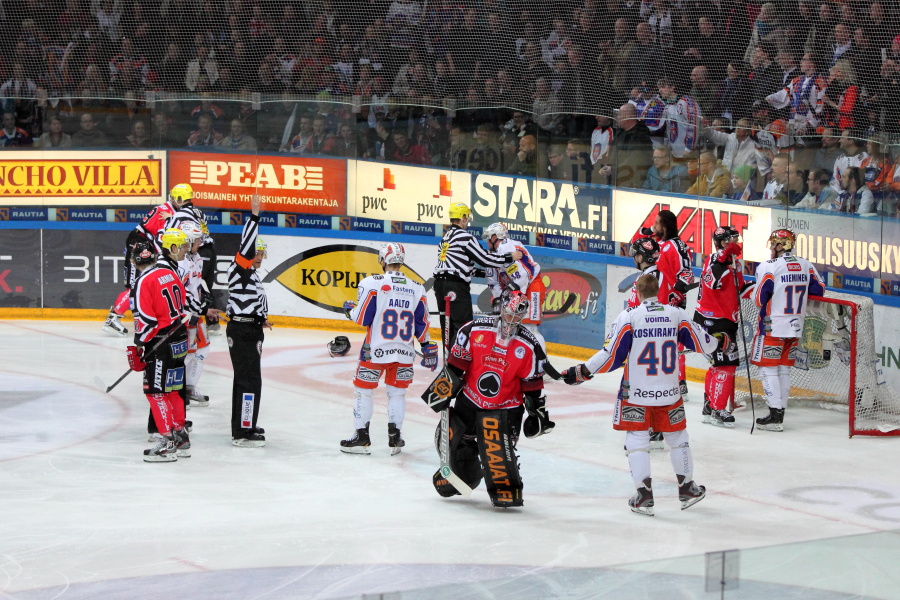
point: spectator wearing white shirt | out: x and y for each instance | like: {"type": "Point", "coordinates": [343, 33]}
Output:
{"type": "Point", "coordinates": [852, 157]}
{"type": "Point", "coordinates": [740, 148]}
{"type": "Point", "coordinates": [202, 65]}
{"type": "Point", "coordinates": [821, 195]}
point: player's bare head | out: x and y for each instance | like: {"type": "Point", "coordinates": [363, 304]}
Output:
{"type": "Point", "coordinates": [494, 234]}
{"type": "Point", "coordinates": [666, 225]}
{"type": "Point", "coordinates": [647, 287]}
{"type": "Point", "coordinates": [782, 240]}
{"type": "Point", "coordinates": [391, 256]}
{"type": "Point", "coordinates": [513, 308]}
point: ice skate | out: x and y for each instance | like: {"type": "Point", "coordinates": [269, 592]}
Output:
{"type": "Point", "coordinates": [682, 387]}
{"type": "Point", "coordinates": [163, 451]}
{"type": "Point", "coordinates": [722, 418]}
{"type": "Point", "coordinates": [773, 421]}
{"type": "Point", "coordinates": [642, 501]}
{"type": "Point", "coordinates": [359, 443]}
{"type": "Point", "coordinates": [395, 442]}
{"type": "Point", "coordinates": [188, 426]}
{"type": "Point", "coordinates": [258, 431]}
{"type": "Point", "coordinates": [707, 412]}
{"type": "Point", "coordinates": [250, 440]}
{"type": "Point", "coordinates": [182, 443]}
{"type": "Point", "coordinates": [196, 398]}
{"type": "Point", "coordinates": [690, 493]}
{"type": "Point", "coordinates": [113, 325]}
{"type": "Point", "coordinates": [657, 441]}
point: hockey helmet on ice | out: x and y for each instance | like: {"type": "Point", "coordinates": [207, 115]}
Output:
{"type": "Point", "coordinates": [784, 237]}
{"type": "Point", "coordinates": [724, 235]}
{"type": "Point", "coordinates": [392, 253]}
{"type": "Point", "coordinates": [143, 253]}
{"type": "Point", "coordinates": [646, 248]}
{"type": "Point", "coordinates": [339, 346]}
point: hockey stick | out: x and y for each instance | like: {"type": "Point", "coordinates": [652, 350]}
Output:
{"type": "Point", "coordinates": [737, 291]}
{"type": "Point", "coordinates": [99, 382]}
{"type": "Point", "coordinates": [446, 471]}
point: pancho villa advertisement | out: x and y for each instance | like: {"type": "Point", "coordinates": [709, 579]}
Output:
{"type": "Point", "coordinates": [60, 178]}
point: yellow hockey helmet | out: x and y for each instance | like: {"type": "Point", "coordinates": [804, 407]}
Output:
{"type": "Point", "coordinates": [458, 210]}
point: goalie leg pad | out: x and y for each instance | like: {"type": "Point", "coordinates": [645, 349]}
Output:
{"type": "Point", "coordinates": [442, 390]}
{"type": "Point", "coordinates": [463, 456]}
{"type": "Point", "coordinates": [498, 431]}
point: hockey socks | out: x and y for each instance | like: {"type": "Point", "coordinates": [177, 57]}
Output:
{"type": "Point", "coordinates": [176, 402]}
{"type": "Point", "coordinates": [363, 408]}
{"type": "Point", "coordinates": [162, 412]}
{"type": "Point", "coordinates": [396, 408]}
{"type": "Point", "coordinates": [123, 303]}
{"type": "Point", "coordinates": [720, 386]}
{"type": "Point", "coordinates": [637, 448]}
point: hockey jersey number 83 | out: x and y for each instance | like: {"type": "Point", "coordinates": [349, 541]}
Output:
{"type": "Point", "coordinates": [393, 308]}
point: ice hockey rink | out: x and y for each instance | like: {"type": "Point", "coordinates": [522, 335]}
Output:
{"type": "Point", "coordinates": [813, 513]}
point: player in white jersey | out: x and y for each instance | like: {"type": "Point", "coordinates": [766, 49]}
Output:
{"type": "Point", "coordinates": [783, 288]}
{"type": "Point", "coordinates": [644, 340]}
{"type": "Point", "coordinates": [394, 311]}
{"type": "Point", "coordinates": [522, 275]}
{"type": "Point", "coordinates": [199, 303]}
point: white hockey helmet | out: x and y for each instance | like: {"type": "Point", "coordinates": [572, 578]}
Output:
{"type": "Point", "coordinates": [498, 229]}
{"type": "Point", "coordinates": [392, 253]}
{"type": "Point", "coordinates": [192, 230]}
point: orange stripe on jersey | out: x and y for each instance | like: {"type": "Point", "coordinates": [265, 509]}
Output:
{"type": "Point", "coordinates": [604, 368]}
{"type": "Point", "coordinates": [759, 287]}
{"type": "Point", "coordinates": [697, 346]}
{"type": "Point", "coordinates": [362, 311]}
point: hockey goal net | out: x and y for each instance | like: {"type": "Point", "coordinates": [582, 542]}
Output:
{"type": "Point", "coordinates": [836, 364]}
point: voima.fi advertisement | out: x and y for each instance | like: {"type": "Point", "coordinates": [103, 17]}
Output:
{"type": "Point", "coordinates": [697, 219]}
{"type": "Point", "coordinates": [391, 192]}
{"type": "Point", "coordinates": [543, 206]}
{"type": "Point", "coordinates": [287, 184]}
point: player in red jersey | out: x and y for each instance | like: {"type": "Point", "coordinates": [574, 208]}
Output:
{"type": "Point", "coordinates": [675, 274]}
{"type": "Point", "coordinates": [718, 310]}
{"type": "Point", "coordinates": [149, 230]}
{"type": "Point", "coordinates": [501, 364]}
{"type": "Point", "coordinates": [159, 317]}
{"type": "Point", "coordinates": [645, 252]}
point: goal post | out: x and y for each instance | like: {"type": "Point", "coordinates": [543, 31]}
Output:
{"type": "Point", "coordinates": [836, 364]}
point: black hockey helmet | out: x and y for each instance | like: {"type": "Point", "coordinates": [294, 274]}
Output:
{"type": "Point", "coordinates": [724, 235]}
{"type": "Point", "coordinates": [646, 248]}
{"type": "Point", "coordinates": [143, 253]}
{"type": "Point", "coordinates": [340, 346]}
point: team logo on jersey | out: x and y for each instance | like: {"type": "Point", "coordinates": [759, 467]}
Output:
{"type": "Point", "coordinates": [479, 338]}
{"type": "Point", "coordinates": [520, 352]}
{"type": "Point", "coordinates": [327, 275]}
{"type": "Point", "coordinates": [489, 384]}
{"type": "Point", "coordinates": [379, 353]}
{"type": "Point", "coordinates": [792, 266]}
{"type": "Point", "coordinates": [495, 361]}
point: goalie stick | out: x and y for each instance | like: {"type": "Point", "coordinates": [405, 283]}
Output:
{"type": "Point", "coordinates": [99, 382]}
{"type": "Point", "coordinates": [444, 451]}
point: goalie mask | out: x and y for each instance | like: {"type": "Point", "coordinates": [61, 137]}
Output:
{"type": "Point", "coordinates": [513, 308]}
{"type": "Point", "coordinates": [784, 237]}
{"type": "Point", "coordinates": [724, 235]}
{"type": "Point", "coordinates": [646, 248]}
{"type": "Point", "coordinates": [340, 346]}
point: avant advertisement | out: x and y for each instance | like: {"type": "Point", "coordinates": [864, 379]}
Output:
{"type": "Point", "coordinates": [291, 184]}
{"type": "Point", "coordinates": [849, 245]}
{"type": "Point", "coordinates": [542, 206]}
{"type": "Point", "coordinates": [697, 219]}
{"type": "Point", "coordinates": [390, 192]}
{"type": "Point", "coordinates": [80, 178]}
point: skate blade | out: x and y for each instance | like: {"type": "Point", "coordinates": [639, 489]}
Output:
{"type": "Point", "coordinates": [248, 443]}
{"type": "Point", "coordinates": [723, 424]}
{"type": "Point", "coordinates": [158, 458]}
{"type": "Point", "coordinates": [395, 451]}
{"type": "Point", "coordinates": [692, 501]}
{"type": "Point", "coordinates": [199, 403]}
{"type": "Point", "coordinates": [706, 419]}
{"type": "Point", "coordinates": [642, 510]}
{"type": "Point", "coordinates": [358, 449]}
{"type": "Point", "coordinates": [183, 453]}
{"type": "Point", "coordinates": [774, 427]}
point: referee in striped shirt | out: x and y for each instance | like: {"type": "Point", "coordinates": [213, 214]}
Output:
{"type": "Point", "coordinates": [247, 313]}
{"type": "Point", "coordinates": [458, 254]}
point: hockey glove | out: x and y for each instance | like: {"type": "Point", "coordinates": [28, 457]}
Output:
{"type": "Point", "coordinates": [365, 354]}
{"type": "Point", "coordinates": [676, 298]}
{"type": "Point", "coordinates": [429, 356]}
{"type": "Point", "coordinates": [646, 231]}
{"type": "Point", "coordinates": [479, 273]}
{"type": "Point", "coordinates": [348, 306]}
{"type": "Point", "coordinates": [538, 421]}
{"type": "Point", "coordinates": [730, 251]}
{"type": "Point", "coordinates": [135, 358]}
{"type": "Point", "coordinates": [576, 375]}
{"type": "Point", "coordinates": [443, 389]}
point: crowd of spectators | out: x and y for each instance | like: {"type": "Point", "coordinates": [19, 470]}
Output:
{"type": "Point", "coordinates": [686, 96]}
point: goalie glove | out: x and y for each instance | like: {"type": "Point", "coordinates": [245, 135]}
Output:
{"type": "Point", "coordinates": [135, 358]}
{"type": "Point", "coordinates": [538, 421]}
{"type": "Point", "coordinates": [576, 375]}
{"type": "Point", "coordinates": [443, 389]}
{"type": "Point", "coordinates": [429, 356]}
{"type": "Point", "coordinates": [348, 306]}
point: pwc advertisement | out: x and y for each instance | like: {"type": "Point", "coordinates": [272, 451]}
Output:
{"type": "Point", "coordinates": [286, 184]}
{"type": "Point", "coordinates": [61, 178]}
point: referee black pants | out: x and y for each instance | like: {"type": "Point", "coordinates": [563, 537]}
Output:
{"type": "Point", "coordinates": [245, 347]}
{"type": "Point", "coordinates": [460, 308]}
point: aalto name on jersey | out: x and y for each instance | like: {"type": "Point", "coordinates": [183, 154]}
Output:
{"type": "Point", "coordinates": [398, 302]}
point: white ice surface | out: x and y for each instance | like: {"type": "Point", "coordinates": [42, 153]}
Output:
{"type": "Point", "coordinates": [82, 516]}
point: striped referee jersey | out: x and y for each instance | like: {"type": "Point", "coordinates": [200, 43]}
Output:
{"type": "Point", "coordinates": [459, 252]}
{"type": "Point", "coordinates": [247, 297]}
